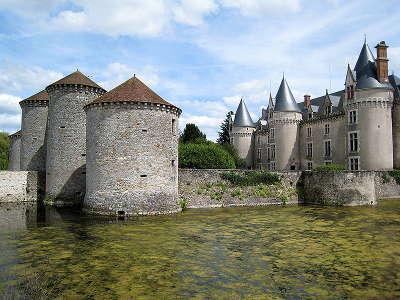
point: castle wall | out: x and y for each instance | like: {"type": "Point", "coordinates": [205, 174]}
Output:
{"type": "Point", "coordinates": [243, 142]}
{"type": "Point", "coordinates": [375, 128]}
{"type": "Point", "coordinates": [396, 135]}
{"type": "Point", "coordinates": [132, 159]}
{"type": "Point", "coordinates": [22, 186]}
{"type": "Point", "coordinates": [66, 142]}
{"type": "Point", "coordinates": [33, 149]}
{"type": "Point", "coordinates": [286, 125]}
{"type": "Point", "coordinates": [336, 136]}
{"type": "Point", "coordinates": [14, 162]}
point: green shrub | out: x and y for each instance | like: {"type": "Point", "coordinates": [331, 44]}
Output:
{"type": "Point", "coordinates": [330, 168]}
{"type": "Point", "coordinates": [240, 163]}
{"type": "Point", "coordinates": [262, 191]}
{"type": "Point", "coordinates": [183, 203]}
{"type": "Point", "coordinates": [237, 193]}
{"type": "Point", "coordinates": [396, 175]}
{"type": "Point", "coordinates": [204, 156]}
{"type": "Point", "coordinates": [249, 178]}
{"type": "Point", "coordinates": [386, 177]}
{"type": "Point", "coordinates": [4, 148]}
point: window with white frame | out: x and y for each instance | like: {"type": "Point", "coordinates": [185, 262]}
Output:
{"type": "Point", "coordinates": [354, 163]}
{"type": "Point", "coordinates": [327, 129]}
{"type": "Point", "coordinates": [309, 165]}
{"type": "Point", "coordinates": [309, 150]}
{"type": "Point", "coordinates": [271, 135]}
{"type": "Point", "coordinates": [327, 145]}
{"type": "Point", "coordinates": [353, 141]}
{"type": "Point", "coordinates": [272, 165]}
{"type": "Point", "coordinates": [352, 117]}
{"type": "Point", "coordinates": [309, 132]}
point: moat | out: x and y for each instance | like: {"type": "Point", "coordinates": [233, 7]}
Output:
{"type": "Point", "coordinates": [288, 252]}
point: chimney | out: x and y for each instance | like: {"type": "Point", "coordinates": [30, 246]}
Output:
{"type": "Point", "coordinates": [307, 100]}
{"type": "Point", "coordinates": [382, 62]}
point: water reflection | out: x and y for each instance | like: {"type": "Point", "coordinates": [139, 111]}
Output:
{"type": "Point", "coordinates": [280, 252]}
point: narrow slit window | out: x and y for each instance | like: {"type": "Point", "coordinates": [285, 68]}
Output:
{"type": "Point", "coordinates": [62, 127]}
{"type": "Point", "coordinates": [173, 163]}
{"type": "Point", "coordinates": [144, 130]}
{"type": "Point", "coordinates": [173, 126]}
{"type": "Point", "coordinates": [143, 175]}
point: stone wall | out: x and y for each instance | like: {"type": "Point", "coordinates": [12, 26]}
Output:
{"type": "Point", "coordinates": [19, 186]}
{"type": "Point", "coordinates": [132, 159]}
{"type": "Point", "coordinates": [206, 188]}
{"type": "Point", "coordinates": [14, 162]}
{"type": "Point", "coordinates": [349, 188]}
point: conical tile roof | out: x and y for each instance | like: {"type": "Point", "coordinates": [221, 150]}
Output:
{"type": "Point", "coordinates": [76, 78]}
{"type": "Point", "coordinates": [42, 95]}
{"type": "Point", "coordinates": [132, 90]}
{"type": "Point", "coordinates": [364, 58]}
{"type": "Point", "coordinates": [284, 100]}
{"type": "Point", "coordinates": [242, 116]}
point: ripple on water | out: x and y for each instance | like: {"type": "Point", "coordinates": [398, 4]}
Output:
{"type": "Point", "coordinates": [273, 252]}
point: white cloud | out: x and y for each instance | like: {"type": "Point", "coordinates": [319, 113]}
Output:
{"type": "Point", "coordinates": [16, 78]}
{"type": "Point", "coordinates": [262, 7]}
{"type": "Point", "coordinates": [191, 12]}
{"type": "Point", "coordinates": [9, 103]}
{"type": "Point", "coordinates": [10, 122]}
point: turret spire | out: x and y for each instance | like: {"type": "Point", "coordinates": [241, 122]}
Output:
{"type": "Point", "coordinates": [242, 116]}
{"type": "Point", "coordinates": [284, 100]}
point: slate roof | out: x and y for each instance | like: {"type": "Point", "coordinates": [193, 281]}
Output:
{"type": "Point", "coordinates": [365, 70]}
{"type": "Point", "coordinates": [284, 100]}
{"type": "Point", "coordinates": [15, 134]}
{"type": "Point", "coordinates": [395, 82]}
{"type": "Point", "coordinates": [317, 102]}
{"type": "Point", "coordinates": [242, 116]}
{"type": "Point", "coordinates": [42, 95]}
{"type": "Point", "coordinates": [76, 78]}
{"type": "Point", "coordinates": [132, 90]}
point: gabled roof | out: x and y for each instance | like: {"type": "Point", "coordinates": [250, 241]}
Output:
{"type": "Point", "coordinates": [132, 90]}
{"type": "Point", "coordinates": [76, 78]}
{"type": "Point", "coordinates": [242, 116]}
{"type": "Point", "coordinates": [42, 95]}
{"type": "Point", "coordinates": [270, 101]}
{"type": "Point", "coordinates": [284, 100]}
{"type": "Point", "coordinates": [317, 102]}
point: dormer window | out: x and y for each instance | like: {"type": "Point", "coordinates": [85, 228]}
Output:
{"type": "Point", "coordinates": [328, 110]}
{"type": "Point", "coordinates": [350, 92]}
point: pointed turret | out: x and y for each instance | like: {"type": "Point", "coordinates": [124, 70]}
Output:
{"type": "Point", "coordinates": [242, 116]}
{"type": "Point", "coordinates": [284, 100]}
{"type": "Point", "coordinates": [270, 101]}
{"type": "Point", "coordinates": [364, 58]}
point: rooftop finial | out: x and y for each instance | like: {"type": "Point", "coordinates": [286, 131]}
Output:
{"type": "Point", "coordinates": [134, 75]}
{"type": "Point", "coordinates": [283, 74]}
{"type": "Point", "coordinates": [365, 38]}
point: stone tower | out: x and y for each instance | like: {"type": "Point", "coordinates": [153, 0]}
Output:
{"type": "Point", "coordinates": [33, 128]}
{"type": "Point", "coordinates": [368, 108]}
{"type": "Point", "coordinates": [15, 150]}
{"type": "Point", "coordinates": [132, 152]}
{"type": "Point", "coordinates": [395, 82]}
{"type": "Point", "coordinates": [242, 134]}
{"type": "Point", "coordinates": [284, 130]}
{"type": "Point", "coordinates": [66, 137]}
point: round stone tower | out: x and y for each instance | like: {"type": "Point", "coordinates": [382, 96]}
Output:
{"type": "Point", "coordinates": [132, 152]}
{"type": "Point", "coordinates": [14, 153]}
{"type": "Point", "coordinates": [66, 137]}
{"type": "Point", "coordinates": [285, 127]}
{"type": "Point", "coordinates": [34, 119]}
{"type": "Point", "coordinates": [368, 106]}
{"type": "Point", "coordinates": [242, 134]}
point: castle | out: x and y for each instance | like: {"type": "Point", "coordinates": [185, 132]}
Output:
{"type": "Point", "coordinates": [357, 127]}
{"type": "Point", "coordinates": [116, 152]}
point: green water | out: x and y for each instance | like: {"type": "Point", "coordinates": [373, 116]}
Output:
{"type": "Point", "coordinates": [292, 252]}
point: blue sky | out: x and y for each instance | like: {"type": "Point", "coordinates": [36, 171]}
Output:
{"type": "Point", "coordinates": [201, 55]}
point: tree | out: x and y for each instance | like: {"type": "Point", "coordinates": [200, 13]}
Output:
{"type": "Point", "coordinates": [4, 148]}
{"type": "Point", "coordinates": [205, 156]}
{"type": "Point", "coordinates": [223, 135]}
{"type": "Point", "coordinates": [192, 134]}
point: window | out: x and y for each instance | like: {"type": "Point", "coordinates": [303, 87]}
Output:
{"type": "Point", "coordinates": [144, 130]}
{"type": "Point", "coordinates": [293, 167]}
{"type": "Point", "coordinates": [173, 126]}
{"type": "Point", "coordinates": [309, 131]}
{"type": "Point", "coordinates": [173, 163]}
{"type": "Point", "coordinates": [353, 117]}
{"type": "Point", "coordinates": [259, 153]}
{"type": "Point", "coordinates": [62, 127]}
{"type": "Point", "coordinates": [271, 135]}
{"type": "Point", "coordinates": [350, 92]}
{"type": "Point", "coordinates": [272, 152]}
{"type": "Point", "coordinates": [327, 129]}
{"type": "Point", "coordinates": [354, 163]}
{"type": "Point", "coordinates": [309, 165]}
{"type": "Point", "coordinates": [328, 110]}
{"type": "Point", "coordinates": [268, 153]}
{"type": "Point", "coordinates": [327, 148]}
{"type": "Point", "coordinates": [353, 141]}
{"type": "Point", "coordinates": [143, 175]}
{"type": "Point", "coordinates": [309, 150]}
{"type": "Point", "coordinates": [310, 116]}
{"type": "Point", "coordinates": [272, 165]}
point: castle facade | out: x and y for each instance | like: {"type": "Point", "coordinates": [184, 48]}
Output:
{"type": "Point", "coordinates": [113, 152]}
{"type": "Point", "coordinates": [357, 127]}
